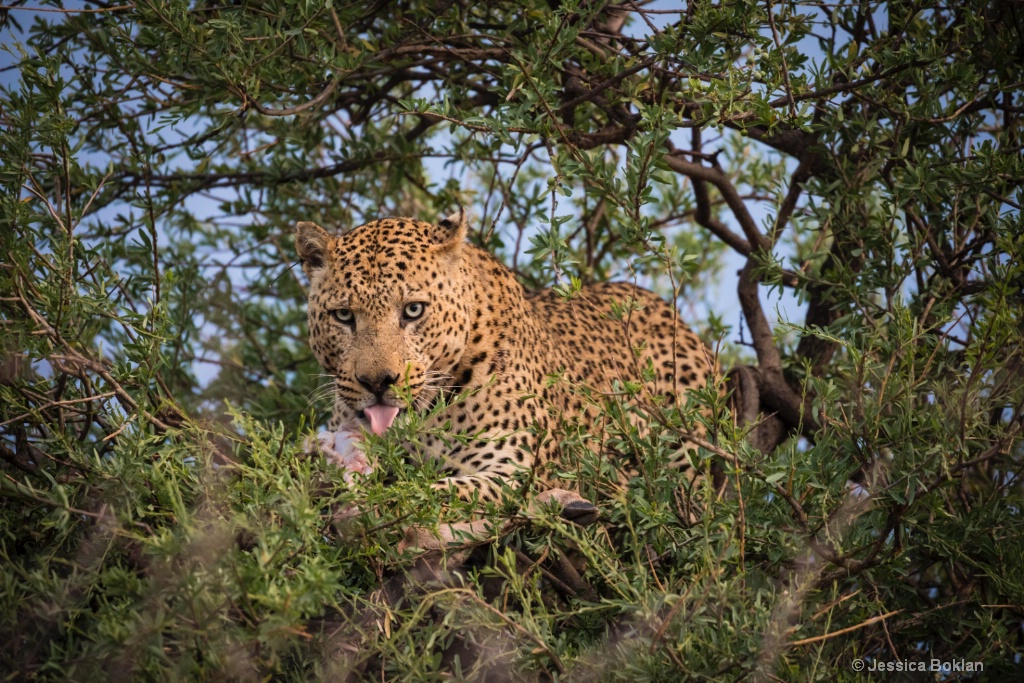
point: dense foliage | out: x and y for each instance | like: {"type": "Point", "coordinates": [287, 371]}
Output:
{"type": "Point", "coordinates": [159, 519]}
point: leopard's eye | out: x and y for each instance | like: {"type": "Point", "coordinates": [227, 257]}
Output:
{"type": "Point", "coordinates": [344, 316]}
{"type": "Point", "coordinates": [414, 310]}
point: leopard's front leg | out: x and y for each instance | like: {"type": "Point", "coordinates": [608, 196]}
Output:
{"type": "Point", "coordinates": [484, 486]}
{"type": "Point", "coordinates": [462, 536]}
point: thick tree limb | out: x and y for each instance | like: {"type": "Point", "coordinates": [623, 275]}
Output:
{"type": "Point", "coordinates": [776, 393]}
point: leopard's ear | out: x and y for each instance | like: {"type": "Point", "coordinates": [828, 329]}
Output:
{"type": "Point", "coordinates": [312, 243]}
{"type": "Point", "coordinates": [451, 232]}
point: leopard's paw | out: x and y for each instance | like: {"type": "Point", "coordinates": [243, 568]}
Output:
{"type": "Point", "coordinates": [343, 449]}
{"type": "Point", "coordinates": [572, 506]}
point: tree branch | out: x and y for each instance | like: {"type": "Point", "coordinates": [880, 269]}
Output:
{"type": "Point", "coordinates": [720, 180]}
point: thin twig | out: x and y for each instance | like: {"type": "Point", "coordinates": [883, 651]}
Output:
{"type": "Point", "coordinates": [785, 67]}
{"type": "Point", "coordinates": [826, 636]}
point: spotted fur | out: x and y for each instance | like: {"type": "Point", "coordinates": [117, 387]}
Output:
{"type": "Point", "coordinates": [481, 333]}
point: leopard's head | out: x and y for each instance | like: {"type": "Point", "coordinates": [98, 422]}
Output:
{"type": "Point", "coordinates": [389, 312]}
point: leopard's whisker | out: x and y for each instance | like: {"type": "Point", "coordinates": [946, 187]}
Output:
{"type": "Point", "coordinates": [321, 392]}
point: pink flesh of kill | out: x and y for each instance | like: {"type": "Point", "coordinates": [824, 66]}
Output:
{"type": "Point", "coordinates": [380, 417]}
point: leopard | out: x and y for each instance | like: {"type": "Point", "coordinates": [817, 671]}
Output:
{"type": "Point", "coordinates": [405, 314]}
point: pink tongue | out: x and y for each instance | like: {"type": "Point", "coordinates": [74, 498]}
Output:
{"type": "Point", "coordinates": [380, 417]}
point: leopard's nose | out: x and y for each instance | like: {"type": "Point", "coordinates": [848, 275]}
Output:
{"type": "Point", "coordinates": [377, 384]}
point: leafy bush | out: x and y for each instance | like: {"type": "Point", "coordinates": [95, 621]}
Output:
{"type": "Point", "coordinates": [160, 519]}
